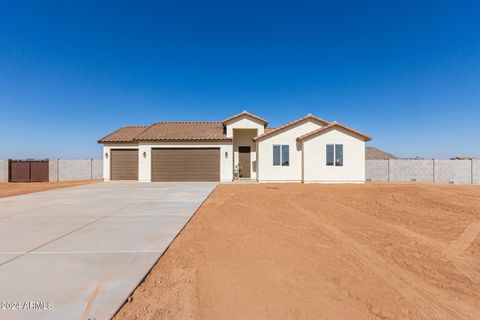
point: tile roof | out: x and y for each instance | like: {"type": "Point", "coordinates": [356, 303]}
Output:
{"type": "Point", "coordinates": [124, 134]}
{"type": "Point", "coordinates": [245, 113]}
{"type": "Point", "coordinates": [203, 131]}
{"type": "Point", "coordinates": [308, 116]}
{"type": "Point", "coordinates": [184, 131]}
{"type": "Point", "coordinates": [331, 125]}
{"type": "Point", "coordinates": [267, 130]}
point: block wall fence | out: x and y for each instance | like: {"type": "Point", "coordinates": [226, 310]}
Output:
{"type": "Point", "coordinates": [3, 170]}
{"type": "Point", "coordinates": [438, 171]}
{"type": "Point", "coordinates": [63, 170]}
{"type": "Point", "coordinates": [397, 170]}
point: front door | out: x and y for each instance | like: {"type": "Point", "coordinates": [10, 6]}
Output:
{"type": "Point", "coordinates": [244, 160]}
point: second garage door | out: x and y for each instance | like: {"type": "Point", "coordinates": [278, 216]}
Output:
{"type": "Point", "coordinates": [124, 164]}
{"type": "Point", "coordinates": [186, 164]}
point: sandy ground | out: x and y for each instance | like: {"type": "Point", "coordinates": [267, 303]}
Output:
{"type": "Point", "coordinates": [14, 189]}
{"type": "Point", "coordinates": [293, 251]}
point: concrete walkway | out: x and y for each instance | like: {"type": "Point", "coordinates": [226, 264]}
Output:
{"type": "Point", "coordinates": [79, 252]}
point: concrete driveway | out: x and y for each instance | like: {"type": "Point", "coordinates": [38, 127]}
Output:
{"type": "Point", "coordinates": [77, 253]}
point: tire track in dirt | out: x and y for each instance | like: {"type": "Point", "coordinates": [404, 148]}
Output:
{"type": "Point", "coordinates": [462, 264]}
{"type": "Point", "coordinates": [470, 234]}
{"type": "Point", "coordinates": [430, 301]}
{"type": "Point", "coordinates": [457, 249]}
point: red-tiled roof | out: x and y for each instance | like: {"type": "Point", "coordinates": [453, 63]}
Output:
{"type": "Point", "coordinates": [267, 130]}
{"type": "Point", "coordinates": [124, 134]}
{"type": "Point", "coordinates": [332, 125]}
{"type": "Point", "coordinates": [309, 116]}
{"type": "Point", "coordinates": [184, 131]}
{"type": "Point", "coordinates": [203, 131]}
{"type": "Point", "coordinates": [245, 113]}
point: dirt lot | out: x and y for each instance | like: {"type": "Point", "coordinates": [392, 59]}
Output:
{"type": "Point", "coordinates": [375, 251]}
{"type": "Point", "coordinates": [14, 189]}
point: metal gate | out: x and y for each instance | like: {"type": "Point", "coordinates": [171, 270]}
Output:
{"type": "Point", "coordinates": [28, 170]}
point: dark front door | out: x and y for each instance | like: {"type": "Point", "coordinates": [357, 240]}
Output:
{"type": "Point", "coordinates": [244, 160]}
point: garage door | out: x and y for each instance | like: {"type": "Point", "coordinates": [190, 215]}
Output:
{"type": "Point", "coordinates": [124, 164]}
{"type": "Point", "coordinates": [187, 164]}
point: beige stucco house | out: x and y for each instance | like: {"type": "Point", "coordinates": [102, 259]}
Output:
{"type": "Point", "coordinates": [308, 149]}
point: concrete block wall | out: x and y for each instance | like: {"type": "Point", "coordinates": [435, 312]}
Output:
{"type": "Point", "coordinates": [409, 170]}
{"type": "Point", "coordinates": [476, 171]}
{"type": "Point", "coordinates": [456, 171]}
{"type": "Point", "coordinates": [63, 169]}
{"type": "Point", "coordinates": [97, 169]}
{"type": "Point", "coordinates": [441, 171]}
{"type": "Point", "coordinates": [74, 170]}
{"type": "Point", "coordinates": [3, 170]}
{"type": "Point", "coordinates": [53, 169]}
{"type": "Point", "coordinates": [376, 170]}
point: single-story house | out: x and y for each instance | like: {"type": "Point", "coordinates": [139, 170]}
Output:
{"type": "Point", "coordinates": [308, 149]}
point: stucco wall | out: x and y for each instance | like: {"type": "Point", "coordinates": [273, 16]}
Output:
{"type": "Point", "coordinates": [3, 170]}
{"type": "Point", "coordinates": [266, 171]}
{"type": "Point", "coordinates": [244, 122]}
{"type": "Point", "coordinates": [314, 158]}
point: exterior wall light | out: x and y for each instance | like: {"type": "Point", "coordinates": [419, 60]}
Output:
{"type": "Point", "coordinates": [144, 154]}
{"type": "Point", "coordinates": [226, 154]}
{"type": "Point", "coordinates": [106, 155]}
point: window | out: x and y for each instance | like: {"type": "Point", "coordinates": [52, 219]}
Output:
{"type": "Point", "coordinates": [276, 155]}
{"type": "Point", "coordinates": [339, 155]}
{"type": "Point", "coordinates": [330, 154]}
{"type": "Point", "coordinates": [335, 155]}
{"type": "Point", "coordinates": [285, 155]}
{"type": "Point", "coordinates": [281, 155]}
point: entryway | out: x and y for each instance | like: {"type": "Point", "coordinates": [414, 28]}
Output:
{"type": "Point", "coordinates": [244, 160]}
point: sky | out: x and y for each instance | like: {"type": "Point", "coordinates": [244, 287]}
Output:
{"type": "Point", "coordinates": [405, 72]}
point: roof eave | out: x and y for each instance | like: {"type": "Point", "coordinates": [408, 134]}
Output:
{"type": "Point", "coordinates": [112, 141]}
{"type": "Point", "coordinates": [183, 139]}
{"type": "Point", "coordinates": [244, 113]}
{"type": "Point", "coordinates": [279, 129]}
{"type": "Point", "coordinates": [330, 126]}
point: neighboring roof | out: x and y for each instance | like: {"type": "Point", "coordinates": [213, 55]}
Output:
{"type": "Point", "coordinates": [124, 134]}
{"type": "Point", "coordinates": [184, 131]}
{"type": "Point", "coordinates": [372, 153]}
{"type": "Point", "coordinates": [308, 116]}
{"type": "Point", "coordinates": [332, 125]}
{"type": "Point", "coordinates": [245, 113]}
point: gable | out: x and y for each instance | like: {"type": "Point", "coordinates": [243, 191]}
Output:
{"type": "Point", "coordinates": [335, 126]}
{"type": "Point", "coordinates": [292, 130]}
{"type": "Point", "coordinates": [292, 124]}
{"type": "Point", "coordinates": [244, 122]}
{"type": "Point", "coordinates": [243, 114]}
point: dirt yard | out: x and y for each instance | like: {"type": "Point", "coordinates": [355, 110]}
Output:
{"type": "Point", "coordinates": [293, 251]}
{"type": "Point", "coordinates": [14, 189]}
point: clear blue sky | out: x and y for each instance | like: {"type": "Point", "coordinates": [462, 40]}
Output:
{"type": "Point", "coordinates": [405, 72]}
